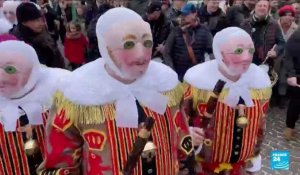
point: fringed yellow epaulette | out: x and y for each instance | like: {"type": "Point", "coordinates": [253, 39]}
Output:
{"type": "Point", "coordinates": [202, 96]}
{"type": "Point", "coordinates": [175, 95]}
{"type": "Point", "coordinates": [81, 114]}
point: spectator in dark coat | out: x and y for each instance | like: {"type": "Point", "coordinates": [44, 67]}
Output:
{"type": "Point", "coordinates": [237, 13]}
{"type": "Point", "coordinates": [297, 12]}
{"type": "Point", "coordinates": [160, 27]}
{"type": "Point", "coordinates": [93, 11]}
{"type": "Point", "coordinates": [288, 27]}
{"type": "Point", "coordinates": [190, 33]}
{"type": "Point", "coordinates": [31, 29]}
{"type": "Point", "coordinates": [165, 5]}
{"type": "Point", "coordinates": [212, 16]}
{"type": "Point", "coordinates": [274, 8]}
{"type": "Point", "coordinates": [265, 33]}
{"type": "Point", "coordinates": [174, 12]}
{"type": "Point", "coordinates": [67, 11]}
{"type": "Point", "coordinates": [93, 51]}
{"type": "Point", "coordinates": [52, 18]}
{"type": "Point", "coordinates": [56, 8]}
{"type": "Point", "coordinates": [139, 6]}
{"type": "Point", "coordinates": [292, 63]}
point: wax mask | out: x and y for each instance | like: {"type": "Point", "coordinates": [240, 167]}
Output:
{"type": "Point", "coordinates": [15, 71]}
{"type": "Point", "coordinates": [237, 54]}
{"type": "Point", "coordinates": [10, 16]}
{"type": "Point", "coordinates": [130, 47]}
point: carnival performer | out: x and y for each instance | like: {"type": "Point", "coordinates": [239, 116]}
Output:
{"type": "Point", "coordinates": [228, 98]}
{"type": "Point", "coordinates": [104, 112]}
{"type": "Point", "coordinates": [25, 95]}
{"type": "Point", "coordinates": [5, 26]}
{"type": "Point", "coordinates": [9, 10]}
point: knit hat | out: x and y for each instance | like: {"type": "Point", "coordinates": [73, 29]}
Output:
{"type": "Point", "coordinates": [286, 9]}
{"type": "Point", "coordinates": [27, 11]}
{"type": "Point", "coordinates": [154, 6]}
{"type": "Point", "coordinates": [188, 9]}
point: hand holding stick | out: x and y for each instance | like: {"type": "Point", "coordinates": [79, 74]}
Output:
{"type": "Point", "coordinates": [138, 146]}
{"type": "Point", "coordinates": [273, 50]}
{"type": "Point", "coordinates": [211, 107]}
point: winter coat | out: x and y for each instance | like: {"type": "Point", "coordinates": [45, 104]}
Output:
{"type": "Point", "coordinates": [292, 54]}
{"type": "Point", "coordinates": [93, 51]}
{"type": "Point", "coordinates": [291, 30]}
{"type": "Point", "coordinates": [51, 16]}
{"type": "Point", "coordinates": [172, 15]}
{"type": "Point", "coordinates": [160, 32]}
{"type": "Point", "coordinates": [265, 34]}
{"type": "Point", "coordinates": [43, 44]}
{"type": "Point", "coordinates": [215, 21]}
{"type": "Point", "coordinates": [91, 13]}
{"type": "Point", "coordinates": [75, 49]}
{"type": "Point", "coordinates": [236, 14]}
{"type": "Point", "coordinates": [176, 52]}
{"type": "Point", "coordinates": [139, 6]}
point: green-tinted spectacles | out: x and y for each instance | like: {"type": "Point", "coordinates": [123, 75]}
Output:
{"type": "Point", "coordinates": [129, 45]}
{"type": "Point", "coordinates": [10, 69]}
{"type": "Point", "coordinates": [241, 50]}
{"type": "Point", "coordinates": [148, 43]}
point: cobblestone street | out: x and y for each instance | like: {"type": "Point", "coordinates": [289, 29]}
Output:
{"type": "Point", "coordinates": [274, 141]}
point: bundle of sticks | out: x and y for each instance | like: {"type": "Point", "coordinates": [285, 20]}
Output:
{"type": "Point", "coordinates": [211, 107]}
{"type": "Point", "coordinates": [138, 146]}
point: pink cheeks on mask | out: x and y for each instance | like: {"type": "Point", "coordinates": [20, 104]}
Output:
{"type": "Point", "coordinates": [239, 57]}
{"type": "Point", "coordinates": [133, 59]}
{"type": "Point", "coordinates": [10, 16]}
{"type": "Point", "coordinates": [130, 48]}
{"type": "Point", "coordinates": [137, 48]}
{"type": "Point", "coordinates": [14, 74]}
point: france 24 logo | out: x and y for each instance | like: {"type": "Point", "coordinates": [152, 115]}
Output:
{"type": "Point", "coordinates": [280, 160]}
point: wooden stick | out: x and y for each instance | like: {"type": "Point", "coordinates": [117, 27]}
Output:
{"type": "Point", "coordinates": [268, 56]}
{"type": "Point", "coordinates": [138, 146]}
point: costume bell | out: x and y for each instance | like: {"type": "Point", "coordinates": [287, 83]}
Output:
{"type": "Point", "coordinates": [104, 112]}
{"type": "Point", "coordinates": [228, 97]}
{"type": "Point", "coordinates": [25, 94]}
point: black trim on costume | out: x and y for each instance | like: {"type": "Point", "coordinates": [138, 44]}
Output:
{"type": "Point", "coordinates": [11, 162]}
{"type": "Point", "coordinates": [146, 166]}
{"type": "Point", "coordinates": [237, 140]}
{"type": "Point", "coordinates": [19, 156]}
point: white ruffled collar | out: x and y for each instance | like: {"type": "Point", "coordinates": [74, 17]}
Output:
{"type": "Point", "coordinates": [91, 85]}
{"type": "Point", "coordinates": [34, 103]}
{"type": "Point", "coordinates": [205, 76]}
